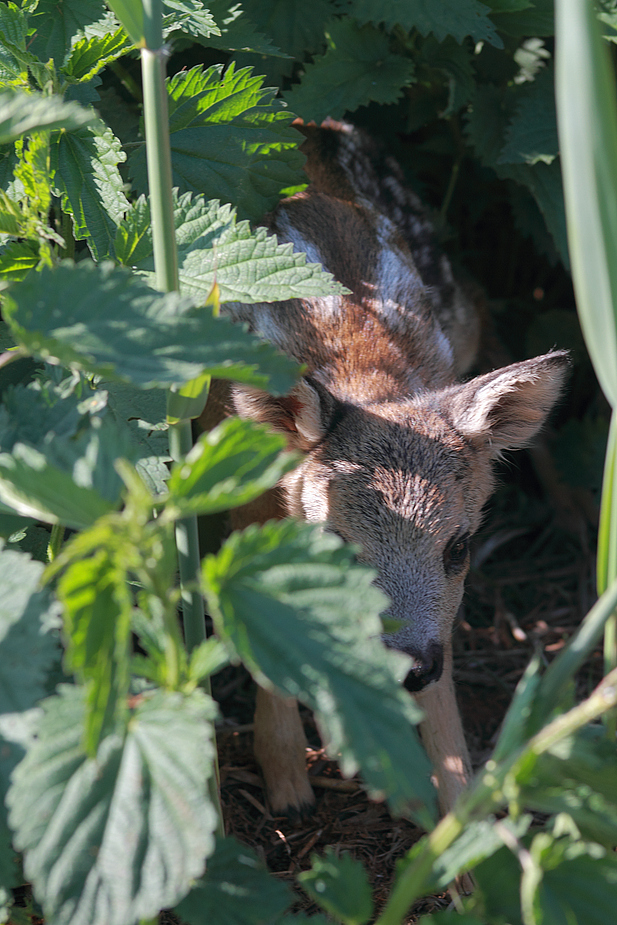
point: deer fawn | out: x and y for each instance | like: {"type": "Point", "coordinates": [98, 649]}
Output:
{"type": "Point", "coordinates": [397, 453]}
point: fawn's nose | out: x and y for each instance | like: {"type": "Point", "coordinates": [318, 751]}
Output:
{"type": "Point", "coordinates": [427, 668]}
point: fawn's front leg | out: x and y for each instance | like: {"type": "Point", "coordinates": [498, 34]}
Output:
{"type": "Point", "coordinates": [443, 736]}
{"type": "Point", "coordinates": [280, 749]}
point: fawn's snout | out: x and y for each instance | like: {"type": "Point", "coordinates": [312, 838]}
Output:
{"type": "Point", "coordinates": [426, 669]}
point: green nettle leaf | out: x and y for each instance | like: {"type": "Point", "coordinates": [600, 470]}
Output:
{"type": "Point", "coordinates": [532, 133]}
{"type": "Point", "coordinates": [230, 139]}
{"type": "Point", "coordinates": [57, 25]}
{"type": "Point", "coordinates": [189, 16]}
{"type": "Point", "coordinates": [339, 885]}
{"type": "Point", "coordinates": [34, 487]}
{"type": "Point", "coordinates": [91, 55]}
{"type": "Point", "coordinates": [17, 259]}
{"type": "Point", "coordinates": [229, 466]}
{"type": "Point", "coordinates": [236, 889]}
{"type": "Point", "coordinates": [142, 413]}
{"type": "Point", "coordinates": [458, 18]}
{"type": "Point", "coordinates": [238, 33]}
{"type": "Point", "coordinates": [97, 609]}
{"type": "Point", "coordinates": [131, 15]}
{"type": "Point", "coordinates": [58, 459]}
{"type": "Point", "coordinates": [537, 19]}
{"type": "Point", "coordinates": [116, 838]}
{"type": "Point", "coordinates": [357, 68]}
{"type": "Point", "coordinates": [103, 319]}
{"type": "Point", "coordinates": [27, 648]}
{"type": "Point", "coordinates": [576, 776]}
{"type": "Point", "coordinates": [578, 883]}
{"type": "Point", "coordinates": [13, 26]}
{"type": "Point", "coordinates": [286, 22]}
{"type": "Point", "coordinates": [246, 266]}
{"type": "Point", "coordinates": [302, 616]}
{"type": "Point", "coordinates": [22, 113]}
{"type": "Point", "coordinates": [85, 172]}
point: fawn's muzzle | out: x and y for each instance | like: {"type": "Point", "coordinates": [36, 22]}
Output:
{"type": "Point", "coordinates": [427, 668]}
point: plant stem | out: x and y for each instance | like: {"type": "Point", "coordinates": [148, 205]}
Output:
{"type": "Point", "coordinates": [158, 155]}
{"type": "Point", "coordinates": [55, 541]}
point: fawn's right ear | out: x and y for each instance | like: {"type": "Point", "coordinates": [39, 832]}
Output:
{"type": "Point", "coordinates": [302, 416]}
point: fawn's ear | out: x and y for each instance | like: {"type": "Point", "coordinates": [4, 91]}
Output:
{"type": "Point", "coordinates": [506, 408]}
{"type": "Point", "coordinates": [302, 416]}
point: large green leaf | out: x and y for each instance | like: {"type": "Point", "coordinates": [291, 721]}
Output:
{"type": "Point", "coordinates": [91, 55]}
{"type": "Point", "coordinates": [304, 617]}
{"type": "Point", "coordinates": [35, 486]}
{"type": "Point", "coordinates": [230, 139]}
{"type": "Point", "coordinates": [229, 466]}
{"type": "Point", "coordinates": [238, 32]}
{"type": "Point", "coordinates": [85, 172]}
{"type": "Point", "coordinates": [288, 25]}
{"type": "Point", "coordinates": [357, 68]}
{"type": "Point", "coordinates": [190, 16]}
{"type": "Point", "coordinates": [56, 26]}
{"type": "Point", "coordinates": [532, 133]}
{"type": "Point", "coordinates": [458, 18]}
{"type": "Point", "coordinates": [577, 883]}
{"type": "Point", "coordinates": [339, 885]}
{"type": "Point", "coordinates": [236, 889]}
{"type": "Point", "coordinates": [97, 623]}
{"type": "Point", "coordinates": [576, 776]}
{"type": "Point", "coordinates": [116, 838]}
{"type": "Point", "coordinates": [27, 648]}
{"type": "Point", "coordinates": [22, 113]}
{"type": "Point", "coordinates": [247, 266]}
{"type": "Point", "coordinates": [104, 320]}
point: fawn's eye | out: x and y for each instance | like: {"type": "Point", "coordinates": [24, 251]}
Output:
{"type": "Point", "coordinates": [455, 554]}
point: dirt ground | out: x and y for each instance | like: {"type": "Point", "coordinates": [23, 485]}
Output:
{"type": "Point", "coordinates": [531, 582]}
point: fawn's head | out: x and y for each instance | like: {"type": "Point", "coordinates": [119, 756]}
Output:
{"type": "Point", "coordinates": [406, 481]}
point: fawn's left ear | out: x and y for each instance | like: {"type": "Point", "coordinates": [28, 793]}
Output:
{"type": "Point", "coordinates": [506, 408]}
{"type": "Point", "coordinates": [302, 416]}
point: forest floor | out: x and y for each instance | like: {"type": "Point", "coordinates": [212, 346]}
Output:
{"type": "Point", "coordinates": [532, 581]}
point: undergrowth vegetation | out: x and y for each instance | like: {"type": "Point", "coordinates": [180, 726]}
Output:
{"type": "Point", "coordinates": [111, 332]}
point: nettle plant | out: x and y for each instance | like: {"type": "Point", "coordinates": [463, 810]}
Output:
{"type": "Point", "coordinates": [111, 332]}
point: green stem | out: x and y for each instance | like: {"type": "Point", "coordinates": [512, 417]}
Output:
{"type": "Point", "coordinates": [158, 156]}
{"type": "Point", "coordinates": [55, 541]}
{"type": "Point", "coordinates": [187, 541]}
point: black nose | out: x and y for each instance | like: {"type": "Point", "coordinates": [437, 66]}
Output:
{"type": "Point", "coordinates": [428, 667]}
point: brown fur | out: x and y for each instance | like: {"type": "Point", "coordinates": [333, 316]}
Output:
{"type": "Point", "coordinates": [397, 453]}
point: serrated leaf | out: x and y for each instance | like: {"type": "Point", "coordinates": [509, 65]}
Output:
{"type": "Point", "coordinates": [576, 776]}
{"type": "Point", "coordinates": [142, 413]}
{"type": "Point", "coordinates": [22, 113]}
{"type": "Point", "coordinates": [458, 18]}
{"type": "Point", "coordinates": [90, 55]}
{"type": "Point", "coordinates": [97, 623]}
{"type": "Point", "coordinates": [17, 259]}
{"type": "Point", "coordinates": [85, 171]}
{"type": "Point", "coordinates": [27, 648]}
{"type": "Point", "coordinates": [13, 26]}
{"type": "Point", "coordinates": [228, 466]}
{"type": "Point", "coordinates": [339, 885]}
{"type": "Point", "coordinates": [103, 319]}
{"type": "Point", "coordinates": [532, 133]}
{"type": "Point", "coordinates": [56, 26]}
{"type": "Point", "coordinates": [287, 24]}
{"type": "Point", "coordinates": [238, 33]}
{"type": "Point", "coordinates": [212, 248]}
{"type": "Point", "coordinates": [358, 68]}
{"type": "Point", "coordinates": [34, 487]}
{"type": "Point", "coordinates": [189, 16]}
{"type": "Point", "coordinates": [304, 617]}
{"type": "Point", "coordinates": [578, 883]}
{"type": "Point", "coordinates": [230, 139]}
{"type": "Point", "coordinates": [236, 889]}
{"type": "Point", "coordinates": [117, 838]}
